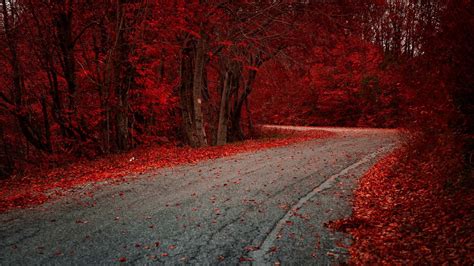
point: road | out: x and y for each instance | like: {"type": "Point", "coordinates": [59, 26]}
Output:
{"type": "Point", "coordinates": [262, 207]}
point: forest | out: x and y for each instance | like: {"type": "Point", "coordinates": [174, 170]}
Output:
{"type": "Point", "coordinates": [92, 78]}
{"type": "Point", "coordinates": [84, 80]}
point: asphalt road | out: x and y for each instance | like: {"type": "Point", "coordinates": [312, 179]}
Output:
{"type": "Point", "coordinates": [263, 207]}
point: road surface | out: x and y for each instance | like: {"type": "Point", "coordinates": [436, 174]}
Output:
{"type": "Point", "coordinates": [262, 207]}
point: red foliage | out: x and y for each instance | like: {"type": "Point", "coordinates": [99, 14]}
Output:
{"type": "Point", "coordinates": [341, 83]}
{"type": "Point", "coordinates": [37, 187]}
{"type": "Point", "coordinates": [413, 207]}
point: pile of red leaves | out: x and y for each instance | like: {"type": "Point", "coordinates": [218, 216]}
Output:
{"type": "Point", "coordinates": [37, 187]}
{"type": "Point", "coordinates": [414, 207]}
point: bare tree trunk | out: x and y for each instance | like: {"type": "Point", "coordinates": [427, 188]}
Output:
{"type": "Point", "coordinates": [221, 135]}
{"type": "Point", "coordinates": [236, 128]}
{"type": "Point", "coordinates": [47, 127]}
{"type": "Point", "coordinates": [249, 116]}
{"type": "Point", "coordinates": [63, 23]}
{"type": "Point", "coordinates": [198, 83]}
{"type": "Point", "coordinates": [122, 80]}
{"type": "Point", "coordinates": [185, 93]}
{"type": "Point", "coordinates": [64, 28]}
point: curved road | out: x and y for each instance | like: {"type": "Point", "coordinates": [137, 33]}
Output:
{"type": "Point", "coordinates": [263, 207]}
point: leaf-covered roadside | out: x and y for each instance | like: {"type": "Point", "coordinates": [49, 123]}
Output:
{"type": "Point", "coordinates": [39, 186]}
{"type": "Point", "coordinates": [414, 207]}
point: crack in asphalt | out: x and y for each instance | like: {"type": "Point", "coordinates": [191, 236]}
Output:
{"type": "Point", "coordinates": [213, 234]}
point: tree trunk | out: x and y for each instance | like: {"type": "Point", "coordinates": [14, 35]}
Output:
{"type": "Point", "coordinates": [123, 77]}
{"type": "Point", "coordinates": [47, 127]}
{"type": "Point", "coordinates": [64, 28]}
{"type": "Point", "coordinates": [221, 135]}
{"type": "Point", "coordinates": [185, 93]}
{"type": "Point", "coordinates": [198, 82]}
{"type": "Point", "coordinates": [236, 128]}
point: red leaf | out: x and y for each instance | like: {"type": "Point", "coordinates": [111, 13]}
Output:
{"type": "Point", "coordinates": [244, 259]}
{"type": "Point", "coordinates": [251, 248]}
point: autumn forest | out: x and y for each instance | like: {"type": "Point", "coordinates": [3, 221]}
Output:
{"type": "Point", "coordinates": [93, 90]}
